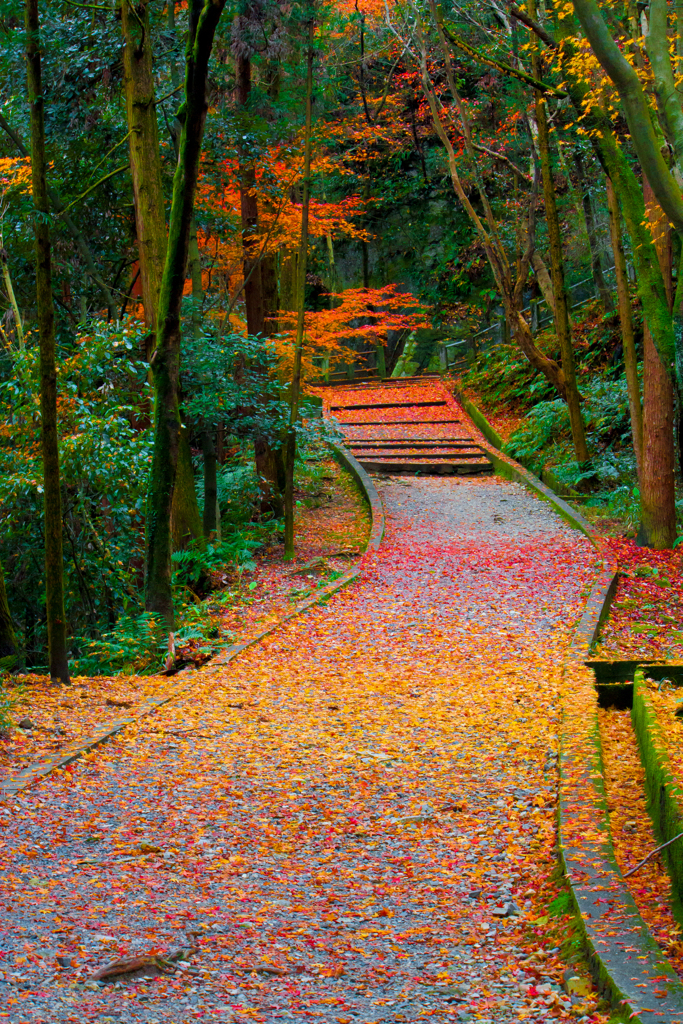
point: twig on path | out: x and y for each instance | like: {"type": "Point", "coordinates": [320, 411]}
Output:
{"type": "Point", "coordinates": [646, 859]}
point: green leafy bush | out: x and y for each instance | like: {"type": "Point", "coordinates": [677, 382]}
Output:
{"type": "Point", "coordinates": [135, 646]}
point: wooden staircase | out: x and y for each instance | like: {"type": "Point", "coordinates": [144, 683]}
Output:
{"type": "Point", "coordinates": [405, 427]}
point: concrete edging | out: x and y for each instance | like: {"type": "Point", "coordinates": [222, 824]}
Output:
{"type": "Point", "coordinates": [41, 769]}
{"type": "Point", "coordinates": [664, 791]}
{"type": "Point", "coordinates": [624, 957]}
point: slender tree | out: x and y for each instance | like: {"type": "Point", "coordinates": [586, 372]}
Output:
{"type": "Point", "coordinates": [562, 325]}
{"type": "Point", "coordinates": [204, 16]}
{"type": "Point", "coordinates": [290, 453]}
{"type": "Point", "coordinates": [54, 560]}
{"type": "Point", "coordinates": [8, 642]}
{"type": "Point", "coordinates": [626, 323]}
{"type": "Point", "coordinates": [145, 165]}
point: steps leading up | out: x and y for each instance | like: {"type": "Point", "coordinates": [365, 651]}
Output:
{"type": "Point", "coordinates": [396, 427]}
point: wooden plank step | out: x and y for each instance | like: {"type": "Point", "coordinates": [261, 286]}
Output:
{"type": "Point", "coordinates": [381, 443]}
{"type": "Point", "coordinates": [394, 423]}
{"type": "Point", "coordinates": [431, 468]}
{"type": "Point", "coordinates": [461, 455]}
{"type": "Point", "coordinates": [389, 405]}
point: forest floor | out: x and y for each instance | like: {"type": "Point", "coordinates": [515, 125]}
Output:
{"type": "Point", "coordinates": [353, 821]}
{"type": "Point", "coordinates": [331, 523]}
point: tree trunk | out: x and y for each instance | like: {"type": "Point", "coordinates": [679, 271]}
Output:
{"type": "Point", "coordinates": [8, 643]}
{"type": "Point", "coordinates": [211, 521]}
{"type": "Point", "coordinates": [197, 283]}
{"type": "Point", "coordinates": [253, 296]}
{"type": "Point", "coordinates": [203, 20]}
{"type": "Point", "coordinates": [186, 524]}
{"type": "Point", "coordinates": [657, 486]}
{"type": "Point", "coordinates": [626, 322]}
{"type": "Point", "coordinates": [544, 282]}
{"type": "Point", "coordinates": [54, 559]}
{"type": "Point", "coordinates": [145, 164]}
{"type": "Point", "coordinates": [592, 232]}
{"type": "Point", "coordinates": [562, 326]}
{"type": "Point", "coordinates": [290, 454]}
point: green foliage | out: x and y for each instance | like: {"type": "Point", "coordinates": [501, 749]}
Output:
{"type": "Point", "coordinates": [503, 377]}
{"type": "Point", "coordinates": [193, 566]}
{"type": "Point", "coordinates": [544, 438]}
{"type": "Point", "coordinates": [134, 647]}
{"type": "Point", "coordinates": [105, 446]}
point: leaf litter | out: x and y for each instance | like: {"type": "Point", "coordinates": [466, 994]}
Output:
{"type": "Point", "coordinates": [332, 528]}
{"type": "Point", "coordinates": [337, 819]}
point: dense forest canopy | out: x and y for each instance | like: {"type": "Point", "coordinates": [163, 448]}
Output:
{"type": "Point", "coordinates": [207, 208]}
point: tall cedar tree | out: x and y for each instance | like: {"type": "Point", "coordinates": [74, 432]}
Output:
{"type": "Point", "coordinates": [562, 325]}
{"type": "Point", "coordinates": [54, 560]}
{"type": "Point", "coordinates": [290, 451]}
{"type": "Point", "coordinates": [204, 16]}
{"type": "Point", "coordinates": [150, 225]}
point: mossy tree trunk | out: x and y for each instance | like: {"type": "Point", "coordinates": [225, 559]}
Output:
{"type": "Point", "coordinates": [54, 559]}
{"type": "Point", "coordinates": [290, 449]}
{"type": "Point", "coordinates": [8, 642]}
{"type": "Point", "coordinates": [204, 16]}
{"type": "Point", "coordinates": [211, 521]}
{"type": "Point", "coordinates": [657, 484]}
{"type": "Point", "coordinates": [186, 523]}
{"type": "Point", "coordinates": [145, 163]}
{"type": "Point", "coordinates": [150, 222]}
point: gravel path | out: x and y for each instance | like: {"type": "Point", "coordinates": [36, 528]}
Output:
{"type": "Point", "coordinates": [339, 820]}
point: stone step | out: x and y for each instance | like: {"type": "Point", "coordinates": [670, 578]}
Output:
{"type": "Point", "coordinates": [462, 454]}
{"type": "Point", "coordinates": [388, 405]}
{"type": "Point", "coordinates": [429, 468]}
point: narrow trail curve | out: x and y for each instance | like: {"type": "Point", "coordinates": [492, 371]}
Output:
{"type": "Point", "coordinates": [334, 819]}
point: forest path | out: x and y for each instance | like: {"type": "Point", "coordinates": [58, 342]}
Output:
{"type": "Point", "coordinates": [334, 818]}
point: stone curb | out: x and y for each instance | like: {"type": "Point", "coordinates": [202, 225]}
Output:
{"type": "Point", "coordinates": [625, 959]}
{"type": "Point", "coordinates": [664, 791]}
{"type": "Point", "coordinates": [624, 956]}
{"type": "Point", "coordinates": [40, 769]}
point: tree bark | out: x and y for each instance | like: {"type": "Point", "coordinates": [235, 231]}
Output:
{"type": "Point", "coordinates": [626, 322]}
{"type": "Point", "coordinates": [54, 558]}
{"type": "Point", "coordinates": [290, 453]}
{"type": "Point", "coordinates": [562, 325]}
{"type": "Point", "coordinates": [145, 164]}
{"type": "Point", "coordinates": [211, 522]}
{"type": "Point", "coordinates": [657, 486]}
{"type": "Point", "coordinates": [544, 282]}
{"type": "Point", "coordinates": [8, 642]}
{"type": "Point", "coordinates": [253, 293]}
{"type": "Point", "coordinates": [203, 20]}
{"type": "Point", "coordinates": [186, 523]}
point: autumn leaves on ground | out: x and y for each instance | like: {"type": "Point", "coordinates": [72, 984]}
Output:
{"type": "Point", "coordinates": [354, 821]}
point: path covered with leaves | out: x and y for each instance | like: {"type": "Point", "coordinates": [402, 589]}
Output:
{"type": "Point", "coordinates": [355, 821]}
